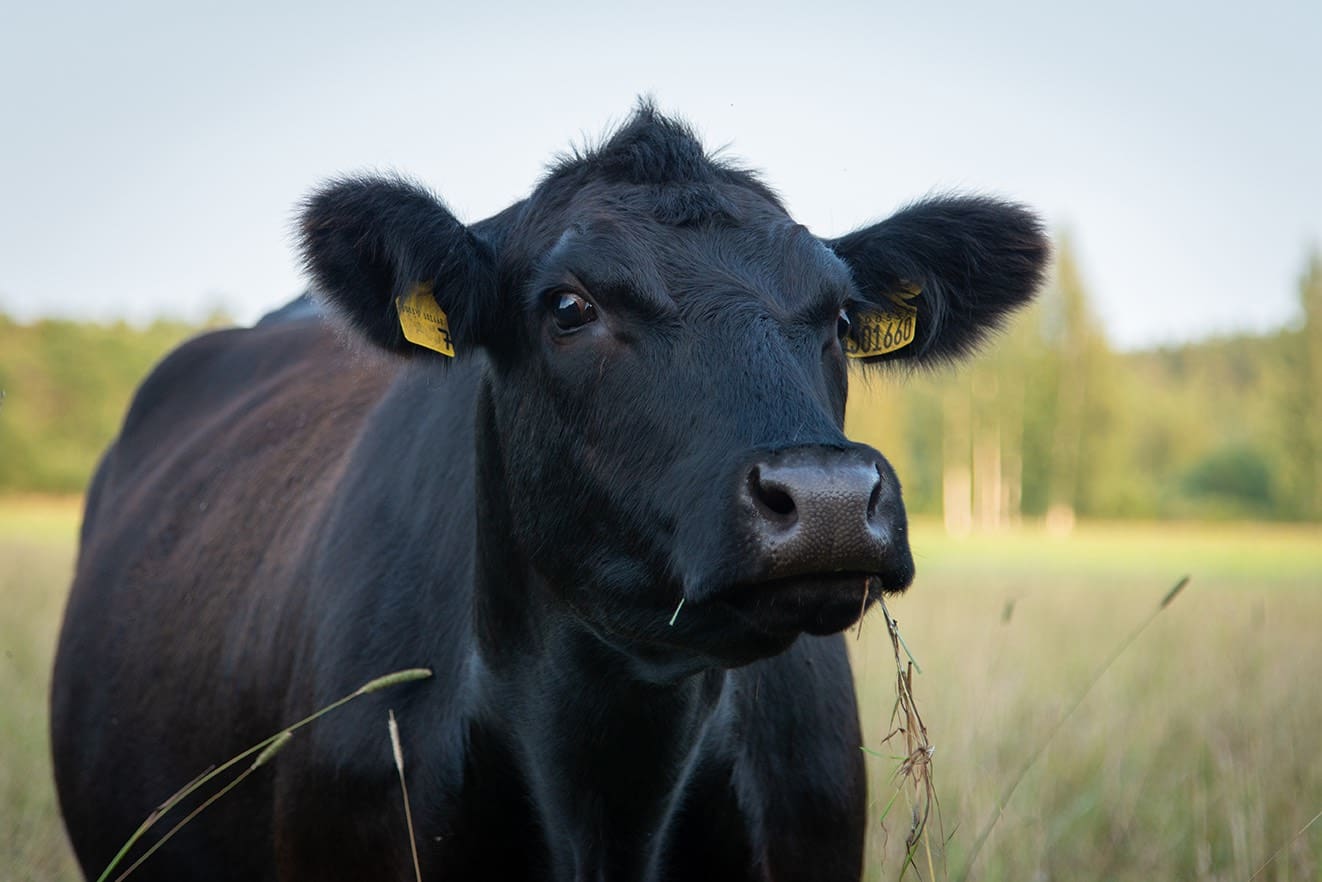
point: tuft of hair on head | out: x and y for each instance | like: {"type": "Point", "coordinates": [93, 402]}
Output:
{"type": "Point", "coordinates": [683, 182]}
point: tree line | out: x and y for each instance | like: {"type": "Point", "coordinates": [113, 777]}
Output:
{"type": "Point", "coordinates": [1052, 423]}
{"type": "Point", "coordinates": [1049, 423]}
{"type": "Point", "coordinates": [66, 386]}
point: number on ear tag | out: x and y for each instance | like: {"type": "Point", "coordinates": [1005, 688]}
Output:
{"type": "Point", "coordinates": [877, 333]}
{"type": "Point", "coordinates": [423, 321]}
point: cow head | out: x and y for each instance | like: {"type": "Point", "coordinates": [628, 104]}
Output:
{"type": "Point", "coordinates": [666, 370]}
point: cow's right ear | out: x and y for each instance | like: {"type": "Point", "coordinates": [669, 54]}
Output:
{"type": "Point", "coordinates": [370, 244]}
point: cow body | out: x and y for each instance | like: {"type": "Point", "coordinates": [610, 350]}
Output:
{"type": "Point", "coordinates": [645, 411]}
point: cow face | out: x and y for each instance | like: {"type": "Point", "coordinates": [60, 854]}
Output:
{"type": "Point", "coordinates": [667, 371]}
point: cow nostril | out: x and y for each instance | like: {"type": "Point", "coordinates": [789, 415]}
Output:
{"type": "Point", "coordinates": [875, 498]}
{"type": "Point", "coordinates": [777, 500]}
{"type": "Point", "coordinates": [770, 497]}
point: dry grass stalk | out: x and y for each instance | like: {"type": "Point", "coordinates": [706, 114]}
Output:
{"type": "Point", "coordinates": [408, 810]}
{"type": "Point", "coordinates": [264, 749]}
{"type": "Point", "coordinates": [675, 615]}
{"type": "Point", "coordinates": [271, 749]}
{"type": "Point", "coordinates": [1041, 748]}
{"type": "Point", "coordinates": [913, 777]}
{"type": "Point", "coordinates": [1284, 846]}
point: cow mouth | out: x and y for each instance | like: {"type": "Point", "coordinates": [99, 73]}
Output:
{"type": "Point", "coordinates": [819, 603]}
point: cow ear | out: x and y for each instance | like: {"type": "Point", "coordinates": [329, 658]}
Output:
{"type": "Point", "coordinates": [938, 276]}
{"type": "Point", "coordinates": [374, 246]}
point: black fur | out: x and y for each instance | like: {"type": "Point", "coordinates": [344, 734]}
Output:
{"type": "Point", "coordinates": [663, 156]}
{"type": "Point", "coordinates": [368, 240]}
{"type": "Point", "coordinates": [625, 546]}
{"type": "Point", "coordinates": [975, 259]}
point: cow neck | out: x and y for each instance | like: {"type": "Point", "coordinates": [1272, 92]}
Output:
{"type": "Point", "coordinates": [605, 751]}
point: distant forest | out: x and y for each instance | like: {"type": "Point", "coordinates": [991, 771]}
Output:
{"type": "Point", "coordinates": [1049, 422]}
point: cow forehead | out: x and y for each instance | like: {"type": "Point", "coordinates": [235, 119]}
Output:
{"type": "Point", "coordinates": [666, 268]}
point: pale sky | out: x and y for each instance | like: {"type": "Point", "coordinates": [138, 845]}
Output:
{"type": "Point", "coordinates": [151, 154]}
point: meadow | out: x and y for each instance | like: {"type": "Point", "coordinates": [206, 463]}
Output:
{"type": "Point", "coordinates": [1198, 754]}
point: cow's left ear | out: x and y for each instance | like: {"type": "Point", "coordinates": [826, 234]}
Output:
{"type": "Point", "coordinates": [939, 275]}
{"type": "Point", "coordinates": [382, 249]}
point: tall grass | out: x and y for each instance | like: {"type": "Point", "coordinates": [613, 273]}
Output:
{"type": "Point", "coordinates": [1196, 756]}
{"type": "Point", "coordinates": [36, 564]}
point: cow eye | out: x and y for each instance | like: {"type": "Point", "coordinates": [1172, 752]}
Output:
{"type": "Point", "coordinates": [843, 324]}
{"type": "Point", "coordinates": [569, 310]}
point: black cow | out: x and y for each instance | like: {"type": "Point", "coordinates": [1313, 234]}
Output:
{"type": "Point", "coordinates": [622, 525]}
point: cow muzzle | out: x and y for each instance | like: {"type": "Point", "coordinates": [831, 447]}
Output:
{"type": "Point", "coordinates": [818, 510]}
{"type": "Point", "coordinates": [824, 533]}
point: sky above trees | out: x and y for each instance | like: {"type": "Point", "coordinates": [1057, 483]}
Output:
{"type": "Point", "coordinates": [154, 153]}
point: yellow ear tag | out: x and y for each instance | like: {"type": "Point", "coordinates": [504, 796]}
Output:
{"type": "Point", "coordinates": [423, 321]}
{"type": "Point", "coordinates": [877, 333]}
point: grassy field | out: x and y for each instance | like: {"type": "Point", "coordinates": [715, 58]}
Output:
{"type": "Point", "coordinates": [37, 541]}
{"type": "Point", "coordinates": [1197, 755]}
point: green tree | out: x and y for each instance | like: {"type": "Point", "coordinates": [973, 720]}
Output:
{"type": "Point", "coordinates": [66, 386]}
{"type": "Point", "coordinates": [1080, 419]}
{"type": "Point", "coordinates": [1301, 424]}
